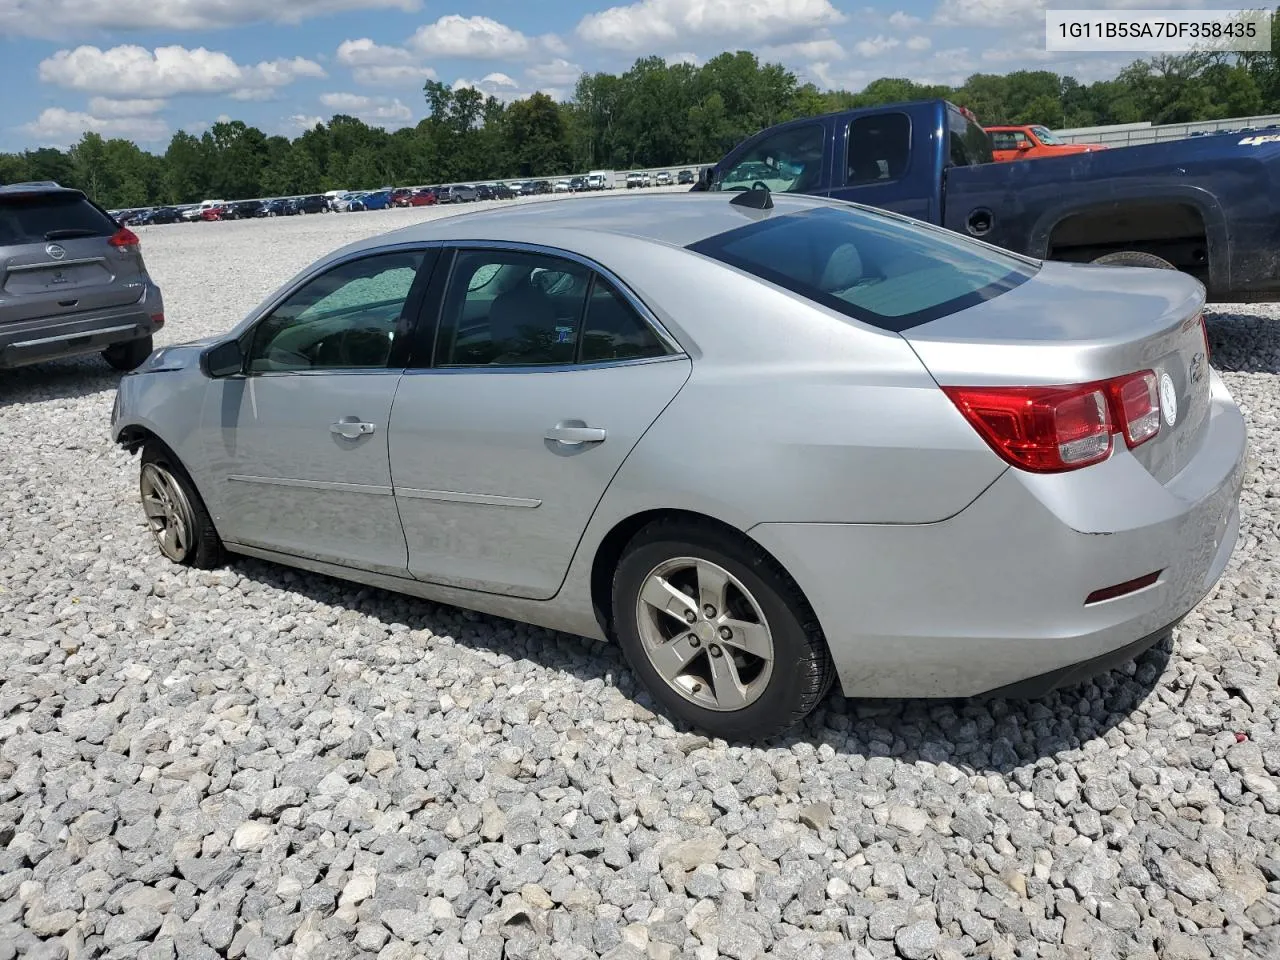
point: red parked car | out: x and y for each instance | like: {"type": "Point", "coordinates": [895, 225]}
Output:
{"type": "Point", "coordinates": [211, 213]}
{"type": "Point", "coordinates": [417, 198]}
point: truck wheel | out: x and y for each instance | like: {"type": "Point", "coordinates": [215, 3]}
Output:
{"type": "Point", "coordinates": [1135, 258]}
{"type": "Point", "coordinates": [129, 355]}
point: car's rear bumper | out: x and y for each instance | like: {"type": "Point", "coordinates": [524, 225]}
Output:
{"type": "Point", "coordinates": [33, 341]}
{"type": "Point", "coordinates": [993, 599]}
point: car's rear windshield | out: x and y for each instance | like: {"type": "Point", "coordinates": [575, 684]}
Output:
{"type": "Point", "coordinates": [40, 217]}
{"type": "Point", "coordinates": [881, 270]}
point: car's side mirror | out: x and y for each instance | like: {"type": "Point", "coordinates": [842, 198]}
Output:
{"type": "Point", "coordinates": [223, 360]}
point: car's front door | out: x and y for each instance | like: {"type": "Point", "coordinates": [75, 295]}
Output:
{"type": "Point", "coordinates": [545, 375]}
{"type": "Point", "coordinates": [298, 443]}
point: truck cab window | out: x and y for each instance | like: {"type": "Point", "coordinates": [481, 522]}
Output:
{"type": "Point", "coordinates": [879, 147]}
{"type": "Point", "coordinates": [789, 161]}
{"type": "Point", "coordinates": [968, 143]}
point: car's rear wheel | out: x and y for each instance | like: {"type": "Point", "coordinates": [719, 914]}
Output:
{"type": "Point", "coordinates": [1135, 258]}
{"type": "Point", "coordinates": [129, 355]}
{"type": "Point", "coordinates": [175, 513]}
{"type": "Point", "coordinates": [718, 632]}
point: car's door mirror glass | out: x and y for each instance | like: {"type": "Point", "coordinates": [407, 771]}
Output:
{"type": "Point", "coordinates": [224, 359]}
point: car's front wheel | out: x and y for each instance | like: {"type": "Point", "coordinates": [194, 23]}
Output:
{"type": "Point", "coordinates": [718, 632]}
{"type": "Point", "coordinates": [128, 355]}
{"type": "Point", "coordinates": [175, 513]}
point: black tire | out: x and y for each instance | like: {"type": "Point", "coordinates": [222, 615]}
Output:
{"type": "Point", "coordinates": [802, 672]}
{"type": "Point", "coordinates": [128, 355]}
{"type": "Point", "coordinates": [1134, 258]}
{"type": "Point", "coordinates": [203, 548]}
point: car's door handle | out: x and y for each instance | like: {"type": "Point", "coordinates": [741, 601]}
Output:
{"type": "Point", "coordinates": [351, 429]}
{"type": "Point", "coordinates": [576, 432]}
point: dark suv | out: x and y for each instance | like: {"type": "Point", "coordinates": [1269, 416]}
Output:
{"type": "Point", "coordinates": [72, 280]}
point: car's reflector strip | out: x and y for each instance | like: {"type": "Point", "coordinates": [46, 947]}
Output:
{"type": "Point", "coordinates": [1122, 589]}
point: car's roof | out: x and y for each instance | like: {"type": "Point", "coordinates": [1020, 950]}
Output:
{"type": "Point", "coordinates": [35, 187]}
{"type": "Point", "coordinates": [678, 219]}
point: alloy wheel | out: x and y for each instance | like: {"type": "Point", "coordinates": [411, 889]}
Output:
{"type": "Point", "coordinates": [705, 634]}
{"type": "Point", "coordinates": [168, 511]}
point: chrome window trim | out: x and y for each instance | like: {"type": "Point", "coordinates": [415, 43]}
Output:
{"type": "Point", "coordinates": [664, 335]}
{"type": "Point", "coordinates": [541, 367]}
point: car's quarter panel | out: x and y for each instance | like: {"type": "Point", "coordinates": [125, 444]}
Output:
{"type": "Point", "coordinates": [996, 594]}
{"type": "Point", "coordinates": [487, 501]}
{"type": "Point", "coordinates": [286, 481]}
{"type": "Point", "coordinates": [1077, 324]}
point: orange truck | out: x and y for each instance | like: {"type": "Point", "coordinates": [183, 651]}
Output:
{"type": "Point", "coordinates": [1032, 141]}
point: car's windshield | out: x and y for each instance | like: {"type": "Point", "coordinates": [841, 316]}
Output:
{"type": "Point", "coordinates": [1046, 136]}
{"type": "Point", "coordinates": [881, 270]}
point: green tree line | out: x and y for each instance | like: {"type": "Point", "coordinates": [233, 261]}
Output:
{"type": "Point", "coordinates": [654, 114]}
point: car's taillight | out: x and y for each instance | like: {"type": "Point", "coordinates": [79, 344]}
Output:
{"type": "Point", "coordinates": [1138, 405]}
{"type": "Point", "coordinates": [125, 238]}
{"type": "Point", "coordinates": [1052, 429]}
{"type": "Point", "coordinates": [157, 321]}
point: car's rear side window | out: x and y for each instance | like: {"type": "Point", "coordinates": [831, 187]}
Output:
{"type": "Point", "coordinates": [879, 269]}
{"type": "Point", "coordinates": [37, 217]}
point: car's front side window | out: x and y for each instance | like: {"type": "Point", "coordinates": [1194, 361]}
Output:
{"type": "Point", "coordinates": [346, 318]}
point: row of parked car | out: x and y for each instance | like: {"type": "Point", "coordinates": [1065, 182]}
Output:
{"type": "Point", "coordinates": [352, 201]}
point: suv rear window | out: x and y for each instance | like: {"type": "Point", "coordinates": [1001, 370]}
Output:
{"type": "Point", "coordinates": [881, 270]}
{"type": "Point", "coordinates": [38, 217]}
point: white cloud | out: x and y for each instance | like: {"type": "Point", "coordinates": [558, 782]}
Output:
{"type": "Point", "coordinates": [557, 73]}
{"type": "Point", "coordinates": [876, 46]}
{"type": "Point", "coordinates": [376, 65]}
{"type": "Point", "coordinates": [903, 21]}
{"type": "Point", "coordinates": [824, 49]}
{"type": "Point", "coordinates": [58, 127]}
{"type": "Point", "coordinates": [107, 107]}
{"type": "Point", "coordinates": [479, 38]}
{"type": "Point", "coordinates": [303, 123]}
{"type": "Point", "coordinates": [987, 13]}
{"type": "Point", "coordinates": [128, 72]}
{"type": "Point", "coordinates": [690, 58]}
{"type": "Point", "coordinates": [378, 111]}
{"type": "Point", "coordinates": [655, 22]}
{"type": "Point", "coordinates": [919, 43]}
{"type": "Point", "coordinates": [60, 18]}
{"type": "Point", "coordinates": [496, 84]}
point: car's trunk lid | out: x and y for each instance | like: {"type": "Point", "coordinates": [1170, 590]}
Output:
{"type": "Point", "coordinates": [55, 258]}
{"type": "Point", "coordinates": [1076, 324]}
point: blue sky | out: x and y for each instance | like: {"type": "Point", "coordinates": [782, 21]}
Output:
{"type": "Point", "coordinates": [143, 69]}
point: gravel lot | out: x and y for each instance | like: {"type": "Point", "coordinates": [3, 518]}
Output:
{"type": "Point", "coordinates": [260, 763]}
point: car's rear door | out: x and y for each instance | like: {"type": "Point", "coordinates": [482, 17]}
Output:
{"type": "Point", "coordinates": [297, 444]}
{"type": "Point", "coordinates": [543, 375]}
{"type": "Point", "coordinates": [56, 257]}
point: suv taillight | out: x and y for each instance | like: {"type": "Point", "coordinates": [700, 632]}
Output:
{"type": "Point", "coordinates": [1054, 429]}
{"type": "Point", "coordinates": [125, 238]}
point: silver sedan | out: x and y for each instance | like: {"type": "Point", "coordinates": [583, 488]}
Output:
{"type": "Point", "coordinates": [767, 444]}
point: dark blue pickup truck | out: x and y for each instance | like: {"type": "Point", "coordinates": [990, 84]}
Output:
{"type": "Point", "coordinates": [1208, 205]}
